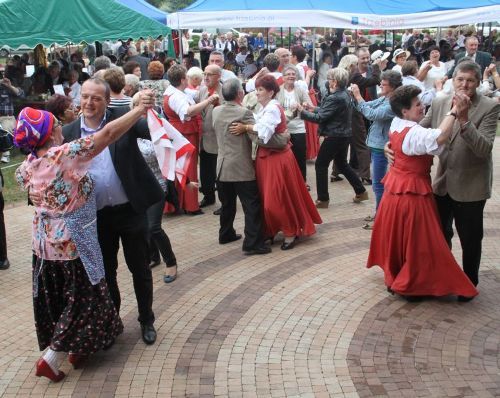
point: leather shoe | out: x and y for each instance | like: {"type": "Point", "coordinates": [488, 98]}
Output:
{"type": "Point", "coordinates": [5, 264]}
{"type": "Point", "coordinates": [288, 245]}
{"type": "Point", "coordinates": [231, 239]}
{"type": "Point", "coordinates": [195, 213]}
{"type": "Point", "coordinates": [43, 369]}
{"type": "Point", "coordinates": [148, 333]}
{"type": "Point", "coordinates": [258, 250]}
{"type": "Point", "coordinates": [360, 197]}
{"type": "Point", "coordinates": [154, 263]}
{"type": "Point", "coordinates": [217, 211]}
{"type": "Point", "coordinates": [335, 178]}
{"type": "Point", "coordinates": [464, 299]}
{"type": "Point", "coordinates": [322, 204]}
{"type": "Point", "coordinates": [207, 202]}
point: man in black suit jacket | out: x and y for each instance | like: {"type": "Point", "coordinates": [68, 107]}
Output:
{"type": "Point", "coordinates": [125, 187]}
{"type": "Point", "coordinates": [483, 59]}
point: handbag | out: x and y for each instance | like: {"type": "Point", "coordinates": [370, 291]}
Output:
{"type": "Point", "coordinates": [6, 140]}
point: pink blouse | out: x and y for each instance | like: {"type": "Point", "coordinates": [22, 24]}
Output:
{"type": "Point", "coordinates": [61, 180]}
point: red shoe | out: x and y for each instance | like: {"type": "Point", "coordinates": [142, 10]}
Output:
{"type": "Point", "coordinates": [43, 369]}
{"type": "Point", "coordinates": [77, 360]}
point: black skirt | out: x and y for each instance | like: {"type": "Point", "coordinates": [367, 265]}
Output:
{"type": "Point", "coordinates": [71, 314]}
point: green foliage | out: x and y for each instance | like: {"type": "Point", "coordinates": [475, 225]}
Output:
{"type": "Point", "coordinates": [170, 5]}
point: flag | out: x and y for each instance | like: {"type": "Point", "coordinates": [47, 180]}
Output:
{"type": "Point", "coordinates": [172, 149]}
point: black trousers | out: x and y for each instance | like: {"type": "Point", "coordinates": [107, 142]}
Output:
{"type": "Point", "coordinates": [204, 56]}
{"type": "Point", "coordinates": [123, 223]}
{"type": "Point", "coordinates": [208, 174]}
{"type": "Point", "coordinates": [159, 241]}
{"type": "Point", "coordinates": [248, 193]}
{"type": "Point", "coordinates": [335, 148]}
{"type": "Point", "coordinates": [360, 154]}
{"type": "Point", "coordinates": [468, 218]}
{"type": "Point", "coordinates": [3, 235]}
{"type": "Point", "coordinates": [299, 151]}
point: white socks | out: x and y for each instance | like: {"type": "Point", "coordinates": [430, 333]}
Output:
{"type": "Point", "coordinates": [53, 358]}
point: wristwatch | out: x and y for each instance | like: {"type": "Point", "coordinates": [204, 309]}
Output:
{"type": "Point", "coordinates": [450, 113]}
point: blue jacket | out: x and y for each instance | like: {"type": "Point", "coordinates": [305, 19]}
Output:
{"type": "Point", "coordinates": [379, 112]}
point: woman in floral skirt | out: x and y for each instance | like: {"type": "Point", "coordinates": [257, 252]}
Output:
{"type": "Point", "coordinates": [73, 309]}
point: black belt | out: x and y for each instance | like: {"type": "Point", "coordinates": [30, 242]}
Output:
{"type": "Point", "coordinates": [117, 208]}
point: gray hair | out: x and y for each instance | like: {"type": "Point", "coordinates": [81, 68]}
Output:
{"type": "Point", "coordinates": [101, 63]}
{"type": "Point", "coordinates": [347, 61]}
{"type": "Point", "coordinates": [194, 72]}
{"type": "Point", "coordinates": [291, 67]}
{"type": "Point", "coordinates": [393, 78]}
{"type": "Point", "coordinates": [467, 65]}
{"type": "Point", "coordinates": [271, 62]}
{"type": "Point", "coordinates": [132, 51]}
{"type": "Point", "coordinates": [132, 80]}
{"type": "Point", "coordinates": [341, 76]}
{"type": "Point", "coordinates": [231, 89]}
{"type": "Point", "coordinates": [217, 52]}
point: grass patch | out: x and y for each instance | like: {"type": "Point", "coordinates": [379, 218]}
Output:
{"type": "Point", "coordinates": [12, 193]}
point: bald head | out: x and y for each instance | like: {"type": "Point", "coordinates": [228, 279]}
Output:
{"type": "Point", "coordinates": [212, 75]}
{"type": "Point", "coordinates": [284, 56]}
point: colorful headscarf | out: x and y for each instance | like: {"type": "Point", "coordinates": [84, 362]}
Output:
{"type": "Point", "coordinates": [33, 128]}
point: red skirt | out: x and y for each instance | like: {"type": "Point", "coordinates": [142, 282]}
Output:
{"type": "Point", "coordinates": [409, 245]}
{"type": "Point", "coordinates": [286, 203]}
{"type": "Point", "coordinates": [312, 137]}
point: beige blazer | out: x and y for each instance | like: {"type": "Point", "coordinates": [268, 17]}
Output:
{"type": "Point", "coordinates": [465, 169]}
{"type": "Point", "coordinates": [234, 158]}
{"type": "Point", "coordinates": [208, 138]}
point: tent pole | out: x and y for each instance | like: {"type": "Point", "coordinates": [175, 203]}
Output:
{"type": "Point", "coordinates": [314, 49]}
{"type": "Point", "coordinates": [267, 39]}
{"type": "Point", "coordinates": [289, 36]}
{"type": "Point", "coordinates": [281, 30]}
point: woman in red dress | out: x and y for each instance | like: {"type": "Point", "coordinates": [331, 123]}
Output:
{"type": "Point", "coordinates": [407, 240]}
{"type": "Point", "coordinates": [286, 203]}
{"type": "Point", "coordinates": [183, 114]}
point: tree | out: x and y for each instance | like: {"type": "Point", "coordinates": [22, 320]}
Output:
{"type": "Point", "coordinates": [170, 5]}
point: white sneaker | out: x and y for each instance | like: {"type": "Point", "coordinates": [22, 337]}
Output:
{"type": "Point", "coordinates": [5, 159]}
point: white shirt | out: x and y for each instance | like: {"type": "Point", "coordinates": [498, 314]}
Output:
{"type": "Point", "coordinates": [74, 94]}
{"type": "Point", "coordinates": [266, 120]}
{"type": "Point", "coordinates": [426, 96]}
{"type": "Point", "coordinates": [435, 73]}
{"type": "Point", "coordinates": [108, 186]}
{"type": "Point", "coordinates": [250, 86]}
{"type": "Point", "coordinates": [419, 140]}
{"type": "Point", "coordinates": [397, 68]}
{"type": "Point", "coordinates": [179, 102]}
{"type": "Point", "coordinates": [226, 75]}
{"type": "Point", "coordinates": [301, 66]}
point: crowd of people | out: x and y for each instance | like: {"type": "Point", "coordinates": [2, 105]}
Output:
{"type": "Point", "coordinates": [93, 178]}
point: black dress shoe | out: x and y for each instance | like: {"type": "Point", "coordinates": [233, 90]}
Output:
{"type": "Point", "coordinates": [207, 202]}
{"type": "Point", "coordinates": [148, 333]}
{"type": "Point", "coordinates": [217, 211]}
{"type": "Point", "coordinates": [231, 239]}
{"type": "Point", "coordinates": [5, 264]}
{"type": "Point", "coordinates": [288, 245]}
{"type": "Point", "coordinates": [464, 299]}
{"type": "Point", "coordinates": [195, 213]}
{"type": "Point", "coordinates": [335, 178]}
{"type": "Point", "coordinates": [154, 263]}
{"type": "Point", "coordinates": [258, 250]}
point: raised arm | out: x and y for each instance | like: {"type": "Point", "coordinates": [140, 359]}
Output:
{"type": "Point", "coordinates": [112, 131]}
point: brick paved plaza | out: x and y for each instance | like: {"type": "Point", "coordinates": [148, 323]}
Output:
{"type": "Point", "coordinates": [310, 322]}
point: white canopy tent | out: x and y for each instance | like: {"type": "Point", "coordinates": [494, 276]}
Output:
{"type": "Point", "coordinates": [353, 14]}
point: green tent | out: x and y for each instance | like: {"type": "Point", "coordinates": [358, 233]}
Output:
{"type": "Point", "coordinates": [47, 22]}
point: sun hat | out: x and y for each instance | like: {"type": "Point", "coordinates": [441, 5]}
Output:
{"type": "Point", "coordinates": [380, 54]}
{"type": "Point", "coordinates": [398, 52]}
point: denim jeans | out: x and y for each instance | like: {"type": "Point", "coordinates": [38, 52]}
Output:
{"type": "Point", "coordinates": [379, 168]}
